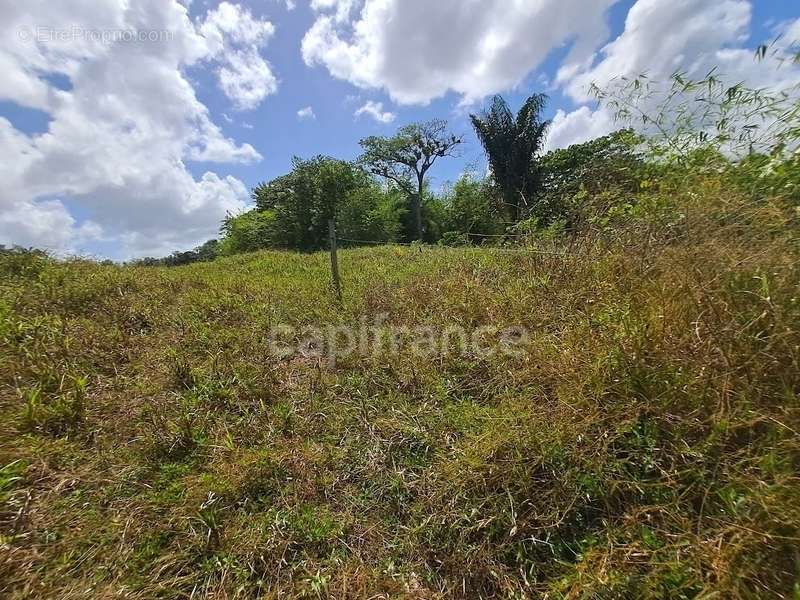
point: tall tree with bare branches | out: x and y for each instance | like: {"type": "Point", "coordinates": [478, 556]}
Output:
{"type": "Point", "coordinates": [406, 158]}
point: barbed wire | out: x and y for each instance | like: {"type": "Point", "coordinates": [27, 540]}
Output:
{"type": "Point", "coordinates": [374, 242]}
{"type": "Point", "coordinates": [497, 235]}
{"type": "Point", "coordinates": [445, 247]}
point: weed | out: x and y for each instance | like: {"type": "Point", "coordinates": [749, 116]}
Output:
{"type": "Point", "coordinates": [644, 444]}
{"type": "Point", "coordinates": [57, 413]}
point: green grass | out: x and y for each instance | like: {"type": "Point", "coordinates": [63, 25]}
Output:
{"type": "Point", "coordinates": [645, 444]}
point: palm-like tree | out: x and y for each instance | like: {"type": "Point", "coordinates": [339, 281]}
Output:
{"type": "Point", "coordinates": [512, 145]}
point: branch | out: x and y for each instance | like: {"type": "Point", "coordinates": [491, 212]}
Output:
{"type": "Point", "coordinates": [399, 179]}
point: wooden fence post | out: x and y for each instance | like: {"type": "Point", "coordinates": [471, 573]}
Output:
{"type": "Point", "coordinates": [337, 284]}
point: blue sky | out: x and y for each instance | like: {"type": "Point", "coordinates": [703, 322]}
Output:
{"type": "Point", "coordinates": [278, 134]}
{"type": "Point", "coordinates": [126, 148]}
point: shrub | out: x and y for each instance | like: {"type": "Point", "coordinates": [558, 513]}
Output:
{"type": "Point", "coordinates": [250, 231]}
{"type": "Point", "coordinates": [469, 209]}
{"type": "Point", "coordinates": [372, 214]}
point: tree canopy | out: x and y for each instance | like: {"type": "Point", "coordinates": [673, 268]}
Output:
{"type": "Point", "coordinates": [306, 198]}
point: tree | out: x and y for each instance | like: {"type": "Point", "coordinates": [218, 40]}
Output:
{"type": "Point", "coordinates": [204, 253]}
{"type": "Point", "coordinates": [208, 251]}
{"type": "Point", "coordinates": [470, 210]}
{"type": "Point", "coordinates": [248, 232]}
{"type": "Point", "coordinates": [577, 182]}
{"type": "Point", "coordinates": [512, 144]}
{"type": "Point", "coordinates": [372, 214]}
{"type": "Point", "coordinates": [304, 200]}
{"type": "Point", "coordinates": [407, 157]}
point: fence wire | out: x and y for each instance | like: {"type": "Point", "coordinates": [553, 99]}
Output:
{"type": "Point", "coordinates": [468, 247]}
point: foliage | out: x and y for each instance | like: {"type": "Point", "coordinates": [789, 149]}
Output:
{"type": "Point", "coordinates": [610, 167]}
{"type": "Point", "coordinates": [688, 115]}
{"type": "Point", "coordinates": [470, 211]}
{"type": "Point", "coordinates": [748, 136]}
{"type": "Point", "coordinates": [21, 262]}
{"type": "Point", "coordinates": [454, 238]}
{"type": "Point", "coordinates": [512, 145]}
{"type": "Point", "coordinates": [372, 214]}
{"type": "Point", "coordinates": [249, 231]}
{"type": "Point", "coordinates": [434, 219]}
{"type": "Point", "coordinates": [304, 200]}
{"type": "Point", "coordinates": [406, 158]}
{"type": "Point", "coordinates": [203, 253]}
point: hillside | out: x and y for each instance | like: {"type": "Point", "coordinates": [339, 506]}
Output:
{"type": "Point", "coordinates": [641, 440]}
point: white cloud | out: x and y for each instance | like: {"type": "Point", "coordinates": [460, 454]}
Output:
{"type": "Point", "coordinates": [118, 140]}
{"type": "Point", "coordinates": [660, 38]}
{"type": "Point", "coordinates": [418, 50]}
{"type": "Point", "coordinates": [45, 224]}
{"type": "Point", "coordinates": [375, 110]}
{"type": "Point", "coordinates": [341, 8]}
{"type": "Point", "coordinates": [247, 79]}
{"type": "Point", "coordinates": [306, 113]}
{"type": "Point", "coordinates": [235, 38]}
{"type": "Point", "coordinates": [578, 126]}
{"type": "Point", "coordinates": [790, 35]}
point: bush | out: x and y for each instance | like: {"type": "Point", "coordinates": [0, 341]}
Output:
{"type": "Point", "coordinates": [454, 238]}
{"type": "Point", "coordinates": [469, 209]}
{"type": "Point", "coordinates": [434, 219]}
{"type": "Point", "coordinates": [22, 263]}
{"type": "Point", "coordinates": [250, 231]}
{"type": "Point", "coordinates": [586, 180]}
{"type": "Point", "coordinates": [371, 214]}
{"type": "Point", "coordinates": [304, 200]}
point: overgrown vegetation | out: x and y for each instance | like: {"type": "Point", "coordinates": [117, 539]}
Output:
{"type": "Point", "coordinates": [645, 444]}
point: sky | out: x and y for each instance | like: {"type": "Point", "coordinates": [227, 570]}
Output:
{"type": "Point", "coordinates": [130, 128]}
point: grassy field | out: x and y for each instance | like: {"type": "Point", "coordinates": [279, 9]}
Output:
{"type": "Point", "coordinates": [644, 444]}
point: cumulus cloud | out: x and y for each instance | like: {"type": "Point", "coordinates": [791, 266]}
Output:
{"type": "Point", "coordinates": [340, 8]}
{"type": "Point", "coordinates": [235, 38]}
{"type": "Point", "coordinates": [375, 110]}
{"type": "Point", "coordinates": [306, 113]}
{"type": "Point", "coordinates": [45, 224]}
{"type": "Point", "coordinates": [578, 126]}
{"type": "Point", "coordinates": [699, 30]}
{"type": "Point", "coordinates": [702, 35]}
{"type": "Point", "coordinates": [791, 33]}
{"type": "Point", "coordinates": [121, 132]}
{"type": "Point", "coordinates": [417, 50]}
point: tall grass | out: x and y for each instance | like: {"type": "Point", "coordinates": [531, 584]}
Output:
{"type": "Point", "coordinates": [645, 444]}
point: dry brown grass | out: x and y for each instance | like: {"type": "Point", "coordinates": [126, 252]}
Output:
{"type": "Point", "coordinates": [645, 445]}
